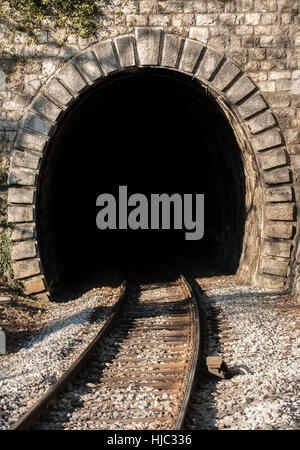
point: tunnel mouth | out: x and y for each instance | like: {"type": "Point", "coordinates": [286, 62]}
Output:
{"type": "Point", "coordinates": [154, 131]}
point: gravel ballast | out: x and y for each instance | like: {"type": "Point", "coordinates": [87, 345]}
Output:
{"type": "Point", "coordinates": [65, 331]}
{"type": "Point", "coordinates": [258, 331]}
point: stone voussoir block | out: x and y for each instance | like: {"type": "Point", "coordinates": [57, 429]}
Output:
{"type": "Point", "coordinates": [56, 90]}
{"type": "Point", "coordinates": [37, 124]}
{"type": "Point", "coordinates": [240, 89]}
{"type": "Point", "coordinates": [30, 141]}
{"type": "Point", "coordinates": [272, 158]}
{"type": "Point", "coordinates": [47, 108]}
{"type": "Point", "coordinates": [261, 122]}
{"type": "Point", "coordinates": [23, 231]}
{"type": "Point", "coordinates": [208, 65]}
{"type": "Point", "coordinates": [25, 159]}
{"type": "Point", "coordinates": [191, 53]}
{"type": "Point", "coordinates": [280, 211]}
{"type": "Point", "coordinates": [23, 249]}
{"type": "Point", "coordinates": [251, 106]}
{"type": "Point", "coordinates": [33, 285]}
{"type": "Point", "coordinates": [279, 230]}
{"type": "Point", "coordinates": [87, 63]}
{"type": "Point", "coordinates": [26, 268]}
{"type": "Point", "coordinates": [227, 73]}
{"type": "Point", "coordinates": [148, 45]}
{"type": "Point", "coordinates": [276, 248]}
{"type": "Point", "coordinates": [21, 176]}
{"type": "Point", "coordinates": [171, 49]}
{"type": "Point", "coordinates": [125, 48]}
{"type": "Point", "coordinates": [106, 56]}
{"type": "Point", "coordinates": [266, 140]}
{"type": "Point", "coordinates": [274, 267]}
{"type": "Point", "coordinates": [277, 176]}
{"type": "Point", "coordinates": [279, 194]}
{"type": "Point", "coordinates": [21, 195]}
{"type": "Point", "coordinates": [71, 78]}
{"type": "Point", "coordinates": [20, 214]}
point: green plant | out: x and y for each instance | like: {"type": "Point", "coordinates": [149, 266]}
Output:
{"type": "Point", "coordinates": [295, 12]}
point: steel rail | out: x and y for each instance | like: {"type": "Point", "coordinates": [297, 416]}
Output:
{"type": "Point", "coordinates": [32, 415]}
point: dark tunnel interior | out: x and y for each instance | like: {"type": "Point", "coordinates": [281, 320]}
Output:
{"type": "Point", "coordinates": [154, 131]}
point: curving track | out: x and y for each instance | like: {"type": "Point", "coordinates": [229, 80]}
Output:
{"type": "Point", "coordinates": [141, 366]}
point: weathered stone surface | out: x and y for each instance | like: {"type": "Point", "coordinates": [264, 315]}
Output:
{"type": "Point", "coordinates": [279, 194]}
{"type": "Point", "coordinates": [37, 124]}
{"type": "Point", "coordinates": [25, 159]}
{"type": "Point", "coordinates": [208, 64]}
{"type": "Point", "coordinates": [87, 63]}
{"type": "Point", "coordinates": [190, 55]}
{"type": "Point", "coordinates": [2, 342]}
{"type": "Point", "coordinates": [243, 87]}
{"type": "Point", "coordinates": [277, 176]}
{"type": "Point", "coordinates": [26, 268]}
{"type": "Point", "coordinates": [276, 248]}
{"type": "Point", "coordinates": [21, 176]}
{"type": "Point", "coordinates": [261, 122]}
{"type": "Point", "coordinates": [45, 107]}
{"type": "Point", "coordinates": [106, 57]}
{"type": "Point", "coordinates": [280, 230]}
{"type": "Point", "coordinates": [225, 75]}
{"type": "Point", "coordinates": [22, 250]}
{"type": "Point", "coordinates": [267, 140]}
{"type": "Point", "coordinates": [251, 106]}
{"type": "Point", "coordinates": [20, 214]}
{"type": "Point", "coordinates": [20, 195]}
{"type": "Point", "coordinates": [280, 211]}
{"type": "Point", "coordinates": [125, 49]}
{"type": "Point", "coordinates": [71, 78]}
{"type": "Point", "coordinates": [30, 141]}
{"type": "Point", "coordinates": [23, 231]}
{"type": "Point", "coordinates": [170, 51]}
{"type": "Point", "coordinates": [58, 92]}
{"type": "Point", "coordinates": [147, 44]}
{"type": "Point", "coordinates": [33, 285]}
{"type": "Point", "coordinates": [274, 267]}
{"type": "Point", "coordinates": [272, 158]}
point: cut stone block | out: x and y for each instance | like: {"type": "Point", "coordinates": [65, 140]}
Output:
{"type": "Point", "coordinates": [45, 107]}
{"type": "Point", "coordinates": [277, 176]}
{"type": "Point", "coordinates": [20, 195]}
{"type": "Point", "coordinates": [281, 230]}
{"type": "Point", "coordinates": [37, 124]}
{"type": "Point", "coordinates": [125, 49]}
{"type": "Point", "coordinates": [147, 43]}
{"type": "Point", "coordinates": [225, 76]}
{"type": "Point", "coordinates": [279, 194]}
{"type": "Point", "coordinates": [33, 285]}
{"type": "Point", "coordinates": [208, 64]}
{"type": "Point", "coordinates": [21, 176]}
{"type": "Point", "coordinates": [106, 57]}
{"type": "Point", "coordinates": [26, 268]}
{"type": "Point", "coordinates": [240, 89]}
{"type": "Point", "coordinates": [25, 159]}
{"type": "Point", "coordinates": [88, 64]}
{"type": "Point", "coordinates": [190, 55]}
{"type": "Point", "coordinates": [280, 211]}
{"type": "Point", "coordinates": [22, 250]}
{"type": "Point", "coordinates": [30, 141]}
{"type": "Point", "coordinates": [171, 50]}
{"type": "Point", "coordinates": [266, 140]}
{"type": "Point", "coordinates": [23, 231]}
{"type": "Point", "coordinates": [251, 106]}
{"type": "Point", "coordinates": [71, 78]}
{"type": "Point", "coordinates": [261, 122]}
{"type": "Point", "coordinates": [274, 248]}
{"type": "Point", "coordinates": [58, 92]}
{"type": "Point", "coordinates": [274, 267]}
{"type": "Point", "coordinates": [20, 214]}
{"type": "Point", "coordinates": [272, 158]}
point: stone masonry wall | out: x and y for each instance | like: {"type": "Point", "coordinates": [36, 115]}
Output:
{"type": "Point", "coordinates": [262, 37]}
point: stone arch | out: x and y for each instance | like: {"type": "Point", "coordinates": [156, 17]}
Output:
{"type": "Point", "coordinates": [255, 127]}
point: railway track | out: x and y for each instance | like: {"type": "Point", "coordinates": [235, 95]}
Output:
{"type": "Point", "coordinates": [140, 370]}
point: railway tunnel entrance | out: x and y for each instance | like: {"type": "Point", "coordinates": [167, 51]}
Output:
{"type": "Point", "coordinates": [154, 131]}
